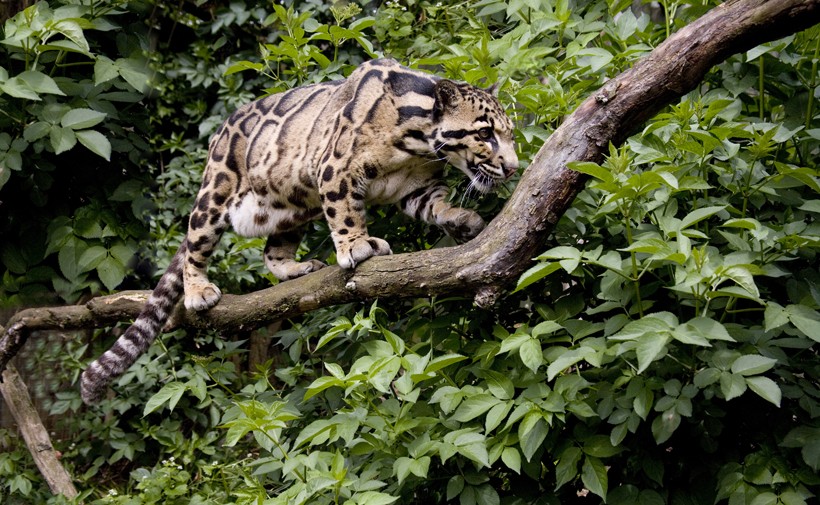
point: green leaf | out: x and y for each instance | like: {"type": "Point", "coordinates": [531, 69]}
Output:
{"type": "Point", "coordinates": [111, 272]}
{"type": "Point", "coordinates": [512, 458]}
{"type": "Point", "coordinates": [40, 82]}
{"type": "Point", "coordinates": [320, 385]}
{"type": "Point", "coordinates": [170, 393]}
{"type": "Point", "coordinates": [373, 498]}
{"type": "Point", "coordinates": [775, 316]}
{"type": "Point", "coordinates": [752, 364]}
{"type": "Point", "coordinates": [18, 88]}
{"type": "Point", "coordinates": [531, 433]}
{"type": "Point", "coordinates": [567, 468]}
{"type": "Point", "coordinates": [440, 362]}
{"type": "Point", "coordinates": [592, 169]}
{"type": "Point", "coordinates": [535, 274]}
{"type": "Point", "coordinates": [92, 257]}
{"type": "Point", "coordinates": [62, 139]}
{"type": "Point", "coordinates": [104, 70]}
{"type": "Point", "coordinates": [665, 425]}
{"type": "Point", "coordinates": [531, 354]}
{"type": "Point", "coordinates": [732, 385]}
{"type": "Point", "coordinates": [474, 406]}
{"type": "Point", "coordinates": [594, 476]}
{"type": "Point", "coordinates": [699, 215]}
{"type": "Point", "coordinates": [95, 142]}
{"type": "Point", "coordinates": [805, 320]}
{"type": "Point", "coordinates": [69, 259]}
{"type": "Point", "coordinates": [650, 348]}
{"type": "Point", "coordinates": [765, 388]}
{"type": "Point", "coordinates": [564, 361]}
{"type": "Point", "coordinates": [499, 385]}
{"type": "Point", "coordinates": [496, 415]}
{"type": "Point", "coordinates": [78, 119]}
{"type": "Point", "coordinates": [36, 131]}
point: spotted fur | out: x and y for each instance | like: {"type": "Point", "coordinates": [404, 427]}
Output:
{"type": "Point", "coordinates": [382, 136]}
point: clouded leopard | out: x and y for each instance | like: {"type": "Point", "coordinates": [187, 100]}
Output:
{"type": "Point", "coordinates": [382, 136]}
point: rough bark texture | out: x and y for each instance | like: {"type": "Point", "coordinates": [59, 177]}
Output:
{"type": "Point", "coordinates": [484, 266]}
{"type": "Point", "coordinates": [18, 401]}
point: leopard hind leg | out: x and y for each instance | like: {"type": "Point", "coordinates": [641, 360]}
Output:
{"type": "Point", "coordinates": [280, 253]}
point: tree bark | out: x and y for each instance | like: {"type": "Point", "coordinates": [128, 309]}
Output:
{"type": "Point", "coordinates": [18, 401]}
{"type": "Point", "coordinates": [483, 267]}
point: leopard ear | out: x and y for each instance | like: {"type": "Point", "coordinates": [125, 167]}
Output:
{"type": "Point", "coordinates": [493, 89]}
{"type": "Point", "coordinates": [447, 96]}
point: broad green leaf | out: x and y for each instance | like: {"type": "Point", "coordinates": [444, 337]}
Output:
{"type": "Point", "coordinates": [665, 425]}
{"type": "Point", "coordinates": [92, 257]}
{"type": "Point", "coordinates": [531, 354]}
{"type": "Point", "coordinates": [545, 328]}
{"type": "Point", "coordinates": [699, 215]}
{"type": "Point", "coordinates": [650, 348]}
{"type": "Point", "coordinates": [36, 131]}
{"type": "Point", "coordinates": [474, 406]}
{"type": "Point", "coordinates": [531, 433]}
{"type": "Point", "coordinates": [314, 432]}
{"type": "Point", "coordinates": [496, 415]}
{"type": "Point", "coordinates": [69, 259]}
{"type": "Point", "coordinates": [765, 388]}
{"type": "Point", "coordinates": [96, 142]}
{"type": "Point", "coordinates": [320, 385]}
{"type": "Point", "coordinates": [440, 362]}
{"type": "Point", "coordinates": [536, 273]}
{"type": "Point", "coordinates": [111, 272]}
{"type": "Point", "coordinates": [591, 169]}
{"type": "Point", "coordinates": [78, 119]}
{"type": "Point", "coordinates": [40, 82]}
{"type": "Point", "coordinates": [567, 468]}
{"type": "Point", "coordinates": [499, 385]}
{"type": "Point", "coordinates": [476, 452]}
{"type": "Point", "coordinates": [170, 393]}
{"type": "Point", "coordinates": [18, 88]}
{"type": "Point", "coordinates": [765, 498]}
{"type": "Point", "coordinates": [373, 498]}
{"type": "Point", "coordinates": [564, 361]}
{"type": "Point", "coordinates": [732, 385]}
{"type": "Point", "coordinates": [805, 320]}
{"type": "Point", "coordinates": [512, 458]}
{"type": "Point", "coordinates": [62, 139]}
{"type": "Point", "coordinates": [104, 70]}
{"type": "Point", "coordinates": [752, 364]}
{"type": "Point", "coordinates": [775, 316]}
{"type": "Point", "coordinates": [710, 329]}
{"type": "Point", "coordinates": [594, 476]}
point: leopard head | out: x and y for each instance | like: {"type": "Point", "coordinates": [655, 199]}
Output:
{"type": "Point", "coordinates": [474, 133]}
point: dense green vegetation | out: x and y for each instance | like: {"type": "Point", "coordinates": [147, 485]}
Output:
{"type": "Point", "coordinates": [662, 350]}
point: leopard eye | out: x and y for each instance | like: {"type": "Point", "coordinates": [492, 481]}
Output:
{"type": "Point", "coordinates": [485, 133]}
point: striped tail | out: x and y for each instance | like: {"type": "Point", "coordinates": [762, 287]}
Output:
{"type": "Point", "coordinates": [139, 336]}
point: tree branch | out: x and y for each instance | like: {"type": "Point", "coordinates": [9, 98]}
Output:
{"type": "Point", "coordinates": [504, 249]}
{"type": "Point", "coordinates": [19, 403]}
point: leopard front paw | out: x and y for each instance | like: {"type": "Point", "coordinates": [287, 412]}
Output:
{"type": "Point", "coordinates": [350, 254]}
{"type": "Point", "coordinates": [201, 296]}
{"type": "Point", "coordinates": [462, 224]}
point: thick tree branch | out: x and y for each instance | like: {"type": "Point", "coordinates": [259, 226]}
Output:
{"type": "Point", "coordinates": [19, 403]}
{"type": "Point", "coordinates": [505, 248]}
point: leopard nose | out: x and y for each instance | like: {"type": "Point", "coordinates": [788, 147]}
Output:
{"type": "Point", "coordinates": [510, 168]}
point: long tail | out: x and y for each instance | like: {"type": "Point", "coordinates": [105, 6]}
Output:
{"type": "Point", "coordinates": [139, 336]}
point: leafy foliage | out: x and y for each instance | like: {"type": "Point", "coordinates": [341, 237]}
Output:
{"type": "Point", "coordinates": [662, 348]}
